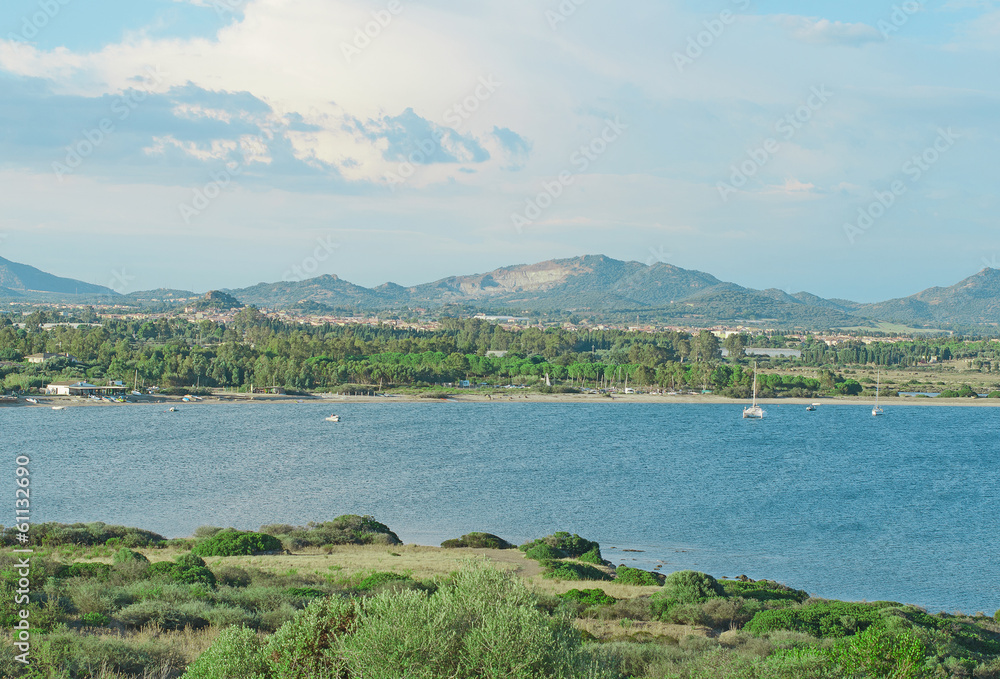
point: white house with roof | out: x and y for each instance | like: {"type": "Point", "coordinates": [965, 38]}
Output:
{"type": "Point", "coordinates": [82, 389]}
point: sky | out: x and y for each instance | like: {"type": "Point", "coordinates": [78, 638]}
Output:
{"type": "Point", "coordinates": [847, 148]}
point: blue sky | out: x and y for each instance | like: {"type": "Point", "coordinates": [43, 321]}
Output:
{"type": "Point", "coordinates": [843, 148]}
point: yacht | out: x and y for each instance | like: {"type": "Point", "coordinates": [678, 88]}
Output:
{"type": "Point", "coordinates": [754, 412]}
{"type": "Point", "coordinates": [876, 410]}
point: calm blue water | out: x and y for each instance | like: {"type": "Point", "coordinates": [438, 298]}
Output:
{"type": "Point", "coordinates": [835, 502]}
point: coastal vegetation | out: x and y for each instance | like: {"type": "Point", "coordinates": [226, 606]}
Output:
{"type": "Point", "coordinates": [104, 611]}
{"type": "Point", "coordinates": [255, 350]}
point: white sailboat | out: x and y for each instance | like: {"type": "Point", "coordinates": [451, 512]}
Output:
{"type": "Point", "coordinates": [876, 410]}
{"type": "Point", "coordinates": [754, 412]}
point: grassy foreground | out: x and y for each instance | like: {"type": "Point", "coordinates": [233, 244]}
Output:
{"type": "Point", "coordinates": [110, 602]}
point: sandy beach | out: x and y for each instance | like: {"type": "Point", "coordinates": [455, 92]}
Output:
{"type": "Point", "coordinates": [499, 397]}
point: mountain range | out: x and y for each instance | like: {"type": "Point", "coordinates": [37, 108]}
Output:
{"type": "Point", "coordinates": [588, 286]}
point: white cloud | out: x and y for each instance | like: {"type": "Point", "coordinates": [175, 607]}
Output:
{"type": "Point", "coordinates": [826, 32]}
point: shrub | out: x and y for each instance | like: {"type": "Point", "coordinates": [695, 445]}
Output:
{"type": "Point", "coordinates": [763, 590]}
{"type": "Point", "coordinates": [567, 570]}
{"type": "Point", "coordinates": [821, 619]}
{"type": "Point", "coordinates": [478, 541]}
{"type": "Point", "coordinates": [203, 532]}
{"type": "Point", "coordinates": [94, 619]}
{"type": "Point", "coordinates": [634, 576]}
{"type": "Point", "coordinates": [232, 576]}
{"type": "Point", "coordinates": [349, 529]}
{"type": "Point", "coordinates": [66, 654]}
{"type": "Point", "coordinates": [168, 616]}
{"type": "Point", "coordinates": [308, 645]}
{"type": "Point", "coordinates": [877, 652]}
{"type": "Point", "coordinates": [378, 579]}
{"type": "Point", "coordinates": [126, 555]}
{"type": "Point", "coordinates": [542, 552]}
{"type": "Point", "coordinates": [589, 597]}
{"type": "Point", "coordinates": [685, 588]}
{"type": "Point", "coordinates": [566, 546]}
{"type": "Point", "coordinates": [236, 654]}
{"type": "Point", "coordinates": [88, 534]}
{"type": "Point", "coordinates": [237, 543]}
{"type": "Point", "coordinates": [186, 568]}
{"type": "Point", "coordinates": [592, 556]}
{"type": "Point", "coordinates": [92, 571]}
{"type": "Point", "coordinates": [483, 623]}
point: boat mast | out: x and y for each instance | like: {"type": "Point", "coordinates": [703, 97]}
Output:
{"type": "Point", "coordinates": [755, 384]}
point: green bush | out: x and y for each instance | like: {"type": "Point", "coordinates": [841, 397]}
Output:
{"type": "Point", "coordinates": [93, 571]}
{"type": "Point", "coordinates": [186, 568]}
{"type": "Point", "coordinates": [237, 543]}
{"type": "Point", "coordinates": [592, 556]}
{"type": "Point", "coordinates": [94, 619]}
{"type": "Point", "coordinates": [308, 646]}
{"type": "Point", "coordinates": [168, 616]}
{"type": "Point", "coordinates": [685, 588]}
{"type": "Point", "coordinates": [349, 529]}
{"type": "Point", "coordinates": [482, 624]}
{"type": "Point", "coordinates": [86, 534]}
{"type": "Point", "coordinates": [877, 652]}
{"type": "Point", "coordinates": [823, 619]}
{"type": "Point", "coordinates": [232, 576]}
{"type": "Point", "coordinates": [478, 541]}
{"type": "Point", "coordinates": [589, 597]}
{"type": "Point", "coordinates": [542, 552]}
{"type": "Point", "coordinates": [126, 555]}
{"type": "Point", "coordinates": [567, 546]}
{"type": "Point", "coordinates": [64, 653]}
{"type": "Point", "coordinates": [763, 590]}
{"type": "Point", "coordinates": [634, 576]}
{"type": "Point", "coordinates": [380, 578]}
{"type": "Point", "coordinates": [236, 654]}
{"type": "Point", "coordinates": [567, 570]}
{"type": "Point", "coordinates": [691, 587]}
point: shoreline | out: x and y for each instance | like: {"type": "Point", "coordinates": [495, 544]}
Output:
{"type": "Point", "coordinates": [648, 399]}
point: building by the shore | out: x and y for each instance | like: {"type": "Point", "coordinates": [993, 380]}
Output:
{"type": "Point", "coordinates": [83, 389]}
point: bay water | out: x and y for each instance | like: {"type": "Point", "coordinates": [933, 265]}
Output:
{"type": "Point", "coordinates": [836, 502]}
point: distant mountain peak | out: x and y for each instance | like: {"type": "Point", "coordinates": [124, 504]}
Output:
{"type": "Point", "coordinates": [23, 278]}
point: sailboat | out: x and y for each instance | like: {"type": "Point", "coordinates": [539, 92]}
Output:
{"type": "Point", "coordinates": [876, 411]}
{"type": "Point", "coordinates": [754, 412]}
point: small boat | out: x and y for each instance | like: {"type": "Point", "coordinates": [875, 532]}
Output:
{"type": "Point", "coordinates": [754, 412]}
{"type": "Point", "coordinates": [32, 400]}
{"type": "Point", "coordinates": [333, 418]}
{"type": "Point", "coordinates": [810, 408]}
{"type": "Point", "coordinates": [58, 407]}
{"type": "Point", "coordinates": [876, 411]}
{"type": "Point", "coordinates": [172, 409]}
